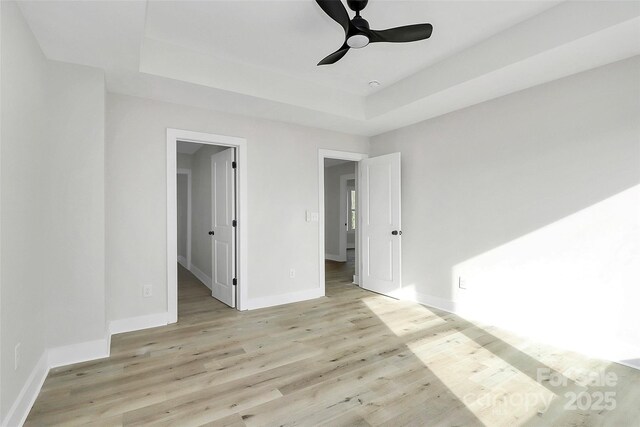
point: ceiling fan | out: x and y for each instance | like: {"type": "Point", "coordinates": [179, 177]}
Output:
{"type": "Point", "coordinates": [357, 31]}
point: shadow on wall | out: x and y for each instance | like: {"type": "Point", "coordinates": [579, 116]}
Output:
{"type": "Point", "coordinates": [481, 177]}
{"type": "Point", "coordinates": [467, 214]}
{"type": "Point", "coordinates": [573, 282]}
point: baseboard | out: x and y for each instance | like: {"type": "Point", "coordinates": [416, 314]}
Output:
{"type": "Point", "coordinates": [201, 276]}
{"type": "Point", "coordinates": [271, 301]}
{"type": "Point", "coordinates": [22, 405]}
{"type": "Point", "coordinates": [624, 354]}
{"type": "Point", "coordinates": [138, 323]}
{"type": "Point", "coordinates": [183, 262]}
{"type": "Point", "coordinates": [613, 350]}
{"type": "Point", "coordinates": [68, 355]}
{"type": "Point", "coordinates": [632, 363]}
{"type": "Point", "coordinates": [428, 300]}
{"type": "Point", "coordinates": [356, 280]}
{"type": "Point", "coordinates": [76, 353]}
{"type": "Point", "coordinates": [334, 257]}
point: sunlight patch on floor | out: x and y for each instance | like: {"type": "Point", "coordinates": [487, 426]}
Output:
{"type": "Point", "coordinates": [492, 389]}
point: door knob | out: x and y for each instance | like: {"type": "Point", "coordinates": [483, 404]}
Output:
{"type": "Point", "coordinates": [396, 232]}
{"type": "Point", "coordinates": [211, 233]}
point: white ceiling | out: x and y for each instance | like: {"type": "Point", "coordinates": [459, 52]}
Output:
{"type": "Point", "coordinates": [258, 57]}
{"type": "Point", "coordinates": [188, 147]}
{"type": "Point", "coordinates": [329, 163]}
{"type": "Point", "coordinates": [290, 37]}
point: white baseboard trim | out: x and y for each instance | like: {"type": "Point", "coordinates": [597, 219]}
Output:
{"type": "Point", "coordinates": [334, 257]}
{"type": "Point", "coordinates": [622, 353]}
{"type": "Point", "coordinates": [428, 300]}
{"type": "Point", "coordinates": [270, 301]}
{"type": "Point", "coordinates": [18, 412]}
{"type": "Point", "coordinates": [356, 280]}
{"type": "Point", "coordinates": [68, 355]}
{"type": "Point", "coordinates": [201, 276]}
{"type": "Point", "coordinates": [76, 353]}
{"type": "Point", "coordinates": [138, 323]}
{"type": "Point", "coordinates": [632, 363]}
{"type": "Point", "coordinates": [616, 351]}
{"type": "Point", "coordinates": [183, 262]}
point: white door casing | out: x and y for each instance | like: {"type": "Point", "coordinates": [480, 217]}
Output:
{"type": "Point", "coordinates": [380, 211]}
{"type": "Point", "coordinates": [242, 239]}
{"type": "Point", "coordinates": [223, 213]}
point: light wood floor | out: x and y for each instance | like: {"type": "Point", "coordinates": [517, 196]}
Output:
{"type": "Point", "coordinates": [352, 358]}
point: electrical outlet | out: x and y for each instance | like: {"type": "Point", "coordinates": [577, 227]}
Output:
{"type": "Point", "coordinates": [147, 291]}
{"type": "Point", "coordinates": [292, 273]}
{"type": "Point", "coordinates": [16, 357]}
{"type": "Point", "coordinates": [462, 283]}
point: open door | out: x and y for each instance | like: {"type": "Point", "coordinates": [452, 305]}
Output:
{"type": "Point", "coordinates": [223, 214]}
{"type": "Point", "coordinates": [379, 186]}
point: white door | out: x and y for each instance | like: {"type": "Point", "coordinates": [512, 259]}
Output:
{"type": "Point", "coordinates": [223, 211]}
{"type": "Point", "coordinates": [379, 186]}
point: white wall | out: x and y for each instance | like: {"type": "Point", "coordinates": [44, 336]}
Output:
{"type": "Point", "coordinates": [282, 185]}
{"type": "Point", "coordinates": [53, 292]}
{"type": "Point", "coordinates": [24, 111]}
{"type": "Point", "coordinates": [183, 210]}
{"type": "Point", "coordinates": [332, 218]}
{"type": "Point", "coordinates": [74, 184]}
{"type": "Point", "coordinates": [533, 199]}
{"type": "Point", "coordinates": [184, 161]}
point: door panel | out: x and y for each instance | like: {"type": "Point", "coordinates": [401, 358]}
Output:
{"type": "Point", "coordinates": [381, 215]}
{"type": "Point", "coordinates": [222, 216]}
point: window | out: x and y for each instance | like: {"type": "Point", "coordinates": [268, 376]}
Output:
{"type": "Point", "coordinates": [351, 215]}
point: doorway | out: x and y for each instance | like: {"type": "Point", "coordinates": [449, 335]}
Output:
{"type": "Point", "coordinates": [213, 253]}
{"type": "Point", "coordinates": [377, 211]}
{"type": "Point", "coordinates": [206, 194]}
{"type": "Point", "coordinates": [333, 238]}
{"type": "Point", "coordinates": [340, 220]}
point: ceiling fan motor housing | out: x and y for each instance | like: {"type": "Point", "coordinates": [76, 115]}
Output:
{"type": "Point", "coordinates": [357, 5]}
{"type": "Point", "coordinates": [360, 23]}
{"type": "Point", "coordinates": [358, 37]}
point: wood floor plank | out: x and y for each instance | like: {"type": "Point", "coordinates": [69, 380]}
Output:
{"type": "Point", "coordinates": [352, 358]}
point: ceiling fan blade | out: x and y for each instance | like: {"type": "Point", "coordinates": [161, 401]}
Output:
{"type": "Point", "coordinates": [336, 11]}
{"type": "Point", "coordinates": [335, 56]}
{"type": "Point", "coordinates": [408, 33]}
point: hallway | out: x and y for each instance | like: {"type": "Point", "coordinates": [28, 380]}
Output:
{"type": "Point", "coordinates": [194, 297]}
{"type": "Point", "coordinates": [341, 272]}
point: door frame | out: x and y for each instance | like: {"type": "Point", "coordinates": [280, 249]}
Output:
{"type": "Point", "coordinates": [344, 205]}
{"type": "Point", "coordinates": [187, 172]}
{"type": "Point", "coordinates": [173, 136]}
{"type": "Point", "coordinates": [341, 155]}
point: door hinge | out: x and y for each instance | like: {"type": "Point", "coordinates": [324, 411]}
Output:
{"type": "Point", "coordinates": [235, 281]}
{"type": "Point", "coordinates": [233, 165]}
{"type": "Point", "coordinates": [234, 223]}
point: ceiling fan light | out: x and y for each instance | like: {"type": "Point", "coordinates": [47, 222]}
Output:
{"type": "Point", "coordinates": [357, 41]}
